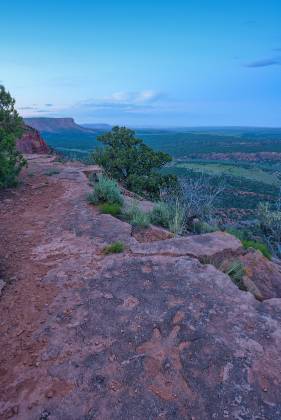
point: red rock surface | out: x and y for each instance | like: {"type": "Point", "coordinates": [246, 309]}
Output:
{"type": "Point", "coordinates": [128, 336]}
{"type": "Point", "coordinates": [151, 234]}
{"type": "Point", "coordinates": [32, 142]}
{"type": "Point", "coordinates": [265, 275]}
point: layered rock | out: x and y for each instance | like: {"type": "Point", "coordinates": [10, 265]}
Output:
{"type": "Point", "coordinates": [263, 274]}
{"type": "Point", "coordinates": [210, 247]}
{"type": "Point", "coordinates": [31, 142]}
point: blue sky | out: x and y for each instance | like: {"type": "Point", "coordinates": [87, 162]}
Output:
{"type": "Point", "coordinates": [146, 63]}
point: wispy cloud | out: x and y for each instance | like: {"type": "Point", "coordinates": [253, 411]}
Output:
{"type": "Point", "coordinates": [27, 108]}
{"type": "Point", "coordinates": [267, 62]}
{"type": "Point", "coordinates": [49, 105]}
{"type": "Point", "coordinates": [125, 101]}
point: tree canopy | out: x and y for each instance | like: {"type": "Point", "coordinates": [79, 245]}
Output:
{"type": "Point", "coordinates": [131, 162]}
{"type": "Point", "coordinates": [11, 127]}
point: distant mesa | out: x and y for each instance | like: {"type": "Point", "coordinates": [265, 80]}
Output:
{"type": "Point", "coordinates": [104, 127]}
{"type": "Point", "coordinates": [56, 125]}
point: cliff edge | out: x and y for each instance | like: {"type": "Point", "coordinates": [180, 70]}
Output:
{"type": "Point", "coordinates": [153, 332]}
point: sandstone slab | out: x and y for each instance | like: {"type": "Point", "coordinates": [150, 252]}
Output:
{"type": "Point", "coordinates": [210, 246]}
{"type": "Point", "coordinates": [167, 337]}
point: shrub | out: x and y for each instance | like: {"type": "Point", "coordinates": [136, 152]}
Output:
{"type": "Point", "coordinates": [235, 270]}
{"type": "Point", "coordinates": [239, 234]}
{"type": "Point", "coordinates": [51, 172]}
{"type": "Point", "coordinates": [257, 245]}
{"type": "Point", "coordinates": [201, 196]}
{"type": "Point", "coordinates": [170, 212]}
{"type": "Point", "coordinates": [137, 217]}
{"type": "Point", "coordinates": [161, 214]}
{"type": "Point", "coordinates": [114, 248]}
{"type": "Point", "coordinates": [244, 237]}
{"type": "Point", "coordinates": [11, 128]}
{"type": "Point", "coordinates": [270, 220]}
{"type": "Point", "coordinates": [111, 208]}
{"type": "Point", "coordinates": [106, 191]}
{"type": "Point", "coordinates": [128, 160]}
{"type": "Point", "coordinates": [203, 227]}
{"type": "Point", "coordinates": [178, 218]}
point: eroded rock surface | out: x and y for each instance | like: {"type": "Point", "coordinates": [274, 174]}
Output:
{"type": "Point", "coordinates": [210, 246]}
{"type": "Point", "coordinates": [150, 333]}
{"type": "Point", "coordinates": [32, 142]}
{"type": "Point", "coordinates": [265, 275]}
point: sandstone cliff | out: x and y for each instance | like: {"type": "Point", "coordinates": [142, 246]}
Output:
{"type": "Point", "coordinates": [32, 142]}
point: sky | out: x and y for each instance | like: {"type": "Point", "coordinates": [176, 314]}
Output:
{"type": "Point", "coordinates": [144, 63]}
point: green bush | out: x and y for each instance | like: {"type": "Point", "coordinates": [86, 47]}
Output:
{"type": "Point", "coordinates": [238, 233]}
{"type": "Point", "coordinates": [137, 217]}
{"type": "Point", "coordinates": [161, 214]}
{"type": "Point", "coordinates": [111, 208]}
{"type": "Point", "coordinates": [203, 227]}
{"type": "Point", "coordinates": [11, 128]}
{"type": "Point", "coordinates": [178, 218]}
{"type": "Point", "coordinates": [257, 245]}
{"type": "Point", "coordinates": [128, 160]}
{"type": "Point", "coordinates": [235, 270]}
{"type": "Point", "coordinates": [170, 214]}
{"type": "Point", "coordinates": [106, 191]}
{"type": "Point", "coordinates": [114, 248]}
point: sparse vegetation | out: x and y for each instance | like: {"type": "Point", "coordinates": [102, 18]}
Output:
{"type": "Point", "coordinates": [235, 270]}
{"type": "Point", "coordinates": [270, 223]}
{"type": "Point", "coordinates": [247, 242]}
{"type": "Point", "coordinates": [51, 172]}
{"type": "Point", "coordinates": [111, 208]}
{"type": "Point", "coordinates": [258, 246]}
{"type": "Point", "coordinates": [170, 213]}
{"type": "Point", "coordinates": [106, 191]}
{"type": "Point", "coordinates": [161, 214]}
{"type": "Point", "coordinates": [200, 196]}
{"type": "Point", "coordinates": [203, 227]}
{"type": "Point", "coordinates": [114, 248]}
{"type": "Point", "coordinates": [11, 128]}
{"type": "Point", "coordinates": [178, 217]}
{"type": "Point", "coordinates": [137, 217]}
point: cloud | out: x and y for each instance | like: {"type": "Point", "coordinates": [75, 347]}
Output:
{"type": "Point", "coordinates": [49, 105]}
{"type": "Point", "coordinates": [267, 62]}
{"type": "Point", "coordinates": [27, 108]}
{"type": "Point", "coordinates": [125, 101]}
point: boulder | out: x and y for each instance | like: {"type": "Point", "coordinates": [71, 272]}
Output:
{"type": "Point", "coordinates": [263, 274]}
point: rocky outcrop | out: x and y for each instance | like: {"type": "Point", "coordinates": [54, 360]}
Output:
{"type": "Point", "coordinates": [152, 333]}
{"type": "Point", "coordinates": [31, 142]}
{"type": "Point", "coordinates": [263, 274]}
{"type": "Point", "coordinates": [210, 247]}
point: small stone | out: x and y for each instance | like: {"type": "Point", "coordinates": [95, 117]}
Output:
{"type": "Point", "coordinates": [49, 394]}
{"type": "Point", "coordinates": [15, 409]}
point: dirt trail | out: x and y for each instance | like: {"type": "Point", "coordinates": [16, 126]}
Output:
{"type": "Point", "coordinates": [84, 336]}
{"type": "Point", "coordinates": [50, 245]}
